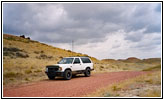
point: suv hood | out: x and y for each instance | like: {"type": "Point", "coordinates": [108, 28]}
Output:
{"type": "Point", "coordinates": [62, 65]}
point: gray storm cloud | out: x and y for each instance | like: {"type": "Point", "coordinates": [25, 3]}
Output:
{"type": "Point", "coordinates": [83, 22]}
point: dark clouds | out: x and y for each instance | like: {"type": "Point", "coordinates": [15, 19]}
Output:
{"type": "Point", "coordinates": [83, 22]}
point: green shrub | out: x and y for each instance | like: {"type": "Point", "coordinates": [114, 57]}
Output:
{"type": "Point", "coordinates": [150, 81]}
{"type": "Point", "coordinates": [43, 56]}
{"type": "Point", "coordinates": [12, 74]}
{"type": "Point", "coordinates": [101, 66]}
{"type": "Point", "coordinates": [37, 52]}
{"type": "Point", "coordinates": [107, 94]}
{"type": "Point", "coordinates": [6, 53]}
{"type": "Point", "coordinates": [32, 67]}
{"type": "Point", "coordinates": [18, 39]}
{"type": "Point", "coordinates": [10, 38]}
{"type": "Point", "coordinates": [11, 79]}
{"type": "Point", "coordinates": [69, 50]}
{"type": "Point", "coordinates": [13, 52]}
{"type": "Point", "coordinates": [28, 71]}
{"type": "Point", "coordinates": [115, 88]}
{"type": "Point", "coordinates": [9, 74]}
{"type": "Point", "coordinates": [125, 68]}
{"type": "Point", "coordinates": [38, 70]}
{"type": "Point", "coordinates": [12, 49]}
{"type": "Point", "coordinates": [42, 51]}
{"type": "Point", "coordinates": [27, 79]}
{"type": "Point", "coordinates": [60, 57]}
{"type": "Point", "coordinates": [21, 55]}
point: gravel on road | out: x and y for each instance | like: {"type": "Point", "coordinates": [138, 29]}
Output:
{"type": "Point", "coordinates": [76, 87]}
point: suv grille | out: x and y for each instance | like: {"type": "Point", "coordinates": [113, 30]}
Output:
{"type": "Point", "coordinates": [53, 69]}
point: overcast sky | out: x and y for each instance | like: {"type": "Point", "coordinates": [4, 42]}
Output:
{"type": "Point", "coordinates": [101, 30]}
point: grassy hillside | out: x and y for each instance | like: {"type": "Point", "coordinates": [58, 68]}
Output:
{"type": "Point", "coordinates": [24, 60]}
{"type": "Point", "coordinates": [152, 61]}
{"type": "Point", "coordinates": [154, 68]}
{"type": "Point", "coordinates": [136, 60]}
{"type": "Point", "coordinates": [129, 64]}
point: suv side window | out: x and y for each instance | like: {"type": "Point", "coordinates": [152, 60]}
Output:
{"type": "Point", "coordinates": [76, 61]}
{"type": "Point", "coordinates": [85, 60]}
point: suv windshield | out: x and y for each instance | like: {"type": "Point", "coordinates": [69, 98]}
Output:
{"type": "Point", "coordinates": [66, 61]}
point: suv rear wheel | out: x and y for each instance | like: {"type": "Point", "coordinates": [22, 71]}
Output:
{"type": "Point", "coordinates": [87, 72]}
{"type": "Point", "coordinates": [67, 74]}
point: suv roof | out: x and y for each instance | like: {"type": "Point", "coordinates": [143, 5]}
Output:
{"type": "Point", "coordinates": [77, 57]}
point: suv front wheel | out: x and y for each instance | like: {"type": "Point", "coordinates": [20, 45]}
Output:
{"type": "Point", "coordinates": [87, 72]}
{"type": "Point", "coordinates": [51, 77]}
{"type": "Point", "coordinates": [67, 74]}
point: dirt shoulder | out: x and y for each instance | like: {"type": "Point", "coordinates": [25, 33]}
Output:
{"type": "Point", "coordinates": [146, 85]}
{"type": "Point", "coordinates": [76, 87]}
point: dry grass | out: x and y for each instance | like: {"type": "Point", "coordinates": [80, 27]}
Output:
{"type": "Point", "coordinates": [143, 86]}
{"type": "Point", "coordinates": [25, 60]}
{"type": "Point", "coordinates": [151, 93]}
{"type": "Point", "coordinates": [121, 66]}
{"type": "Point", "coordinates": [157, 67]}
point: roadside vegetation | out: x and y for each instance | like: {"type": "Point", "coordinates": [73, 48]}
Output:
{"type": "Point", "coordinates": [111, 66]}
{"type": "Point", "coordinates": [147, 85]}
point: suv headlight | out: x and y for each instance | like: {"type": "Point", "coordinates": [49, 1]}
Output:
{"type": "Point", "coordinates": [60, 68]}
{"type": "Point", "coordinates": [46, 69]}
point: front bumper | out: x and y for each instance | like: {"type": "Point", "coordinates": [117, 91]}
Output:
{"type": "Point", "coordinates": [55, 73]}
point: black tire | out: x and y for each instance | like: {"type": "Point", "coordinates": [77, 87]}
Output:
{"type": "Point", "coordinates": [67, 74]}
{"type": "Point", "coordinates": [87, 72]}
{"type": "Point", "coordinates": [51, 77]}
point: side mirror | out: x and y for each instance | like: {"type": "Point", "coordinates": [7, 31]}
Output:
{"type": "Point", "coordinates": [57, 62]}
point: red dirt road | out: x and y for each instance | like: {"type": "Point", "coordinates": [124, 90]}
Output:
{"type": "Point", "coordinates": [75, 87]}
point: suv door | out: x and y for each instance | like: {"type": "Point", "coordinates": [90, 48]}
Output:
{"type": "Point", "coordinates": [76, 64]}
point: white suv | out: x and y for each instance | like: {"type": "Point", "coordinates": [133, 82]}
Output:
{"type": "Point", "coordinates": [69, 66]}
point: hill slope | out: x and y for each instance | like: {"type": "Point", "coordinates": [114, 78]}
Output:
{"type": "Point", "coordinates": [25, 60]}
{"type": "Point", "coordinates": [130, 64]}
